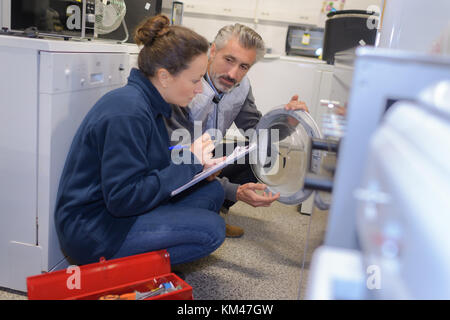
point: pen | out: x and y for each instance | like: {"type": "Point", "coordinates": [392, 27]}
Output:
{"type": "Point", "coordinates": [182, 146]}
{"type": "Point", "coordinates": [179, 146]}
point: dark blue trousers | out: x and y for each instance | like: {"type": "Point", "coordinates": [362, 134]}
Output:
{"type": "Point", "coordinates": [188, 226]}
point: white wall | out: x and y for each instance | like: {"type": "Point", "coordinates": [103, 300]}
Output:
{"type": "Point", "coordinates": [5, 12]}
{"type": "Point", "coordinates": [274, 35]}
{"type": "Point", "coordinates": [273, 32]}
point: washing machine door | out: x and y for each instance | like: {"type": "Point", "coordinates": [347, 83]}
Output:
{"type": "Point", "coordinates": [283, 154]}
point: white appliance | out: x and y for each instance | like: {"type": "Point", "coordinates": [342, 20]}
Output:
{"type": "Point", "coordinates": [47, 87]}
{"type": "Point", "coordinates": [276, 79]}
{"type": "Point", "coordinates": [412, 25]}
{"type": "Point", "coordinates": [402, 213]}
{"type": "Point", "coordinates": [133, 51]}
{"type": "Point", "coordinates": [334, 90]}
{"type": "Point", "coordinates": [388, 216]}
{"type": "Point", "coordinates": [381, 77]}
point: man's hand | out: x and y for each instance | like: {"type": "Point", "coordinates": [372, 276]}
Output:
{"type": "Point", "coordinates": [294, 104]}
{"type": "Point", "coordinates": [246, 193]}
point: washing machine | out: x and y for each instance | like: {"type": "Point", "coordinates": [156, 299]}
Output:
{"type": "Point", "coordinates": [47, 87]}
{"type": "Point", "coordinates": [386, 235]}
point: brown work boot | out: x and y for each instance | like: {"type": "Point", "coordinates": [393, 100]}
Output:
{"type": "Point", "coordinates": [233, 231]}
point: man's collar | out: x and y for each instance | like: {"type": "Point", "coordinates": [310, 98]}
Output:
{"type": "Point", "coordinates": [217, 94]}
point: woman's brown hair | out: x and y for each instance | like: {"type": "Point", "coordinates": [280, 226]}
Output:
{"type": "Point", "coordinates": [166, 46]}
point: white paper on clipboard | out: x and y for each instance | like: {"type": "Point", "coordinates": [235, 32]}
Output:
{"type": "Point", "coordinates": [237, 153]}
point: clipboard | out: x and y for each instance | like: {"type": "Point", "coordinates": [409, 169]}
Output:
{"type": "Point", "coordinates": [237, 153]}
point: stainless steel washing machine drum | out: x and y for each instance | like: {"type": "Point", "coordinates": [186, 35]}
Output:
{"type": "Point", "coordinates": [283, 156]}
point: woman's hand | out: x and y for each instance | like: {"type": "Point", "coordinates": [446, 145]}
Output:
{"type": "Point", "coordinates": [213, 162]}
{"type": "Point", "coordinates": [202, 149]}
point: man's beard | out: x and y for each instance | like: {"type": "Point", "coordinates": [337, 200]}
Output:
{"type": "Point", "coordinates": [225, 88]}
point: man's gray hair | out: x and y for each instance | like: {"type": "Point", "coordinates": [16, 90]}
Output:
{"type": "Point", "coordinates": [248, 38]}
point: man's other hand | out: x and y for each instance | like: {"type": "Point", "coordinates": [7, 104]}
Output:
{"type": "Point", "coordinates": [294, 104]}
{"type": "Point", "coordinates": [247, 193]}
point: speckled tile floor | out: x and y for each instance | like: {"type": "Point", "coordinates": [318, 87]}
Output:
{"type": "Point", "coordinates": [266, 263]}
{"type": "Point", "coordinates": [7, 294]}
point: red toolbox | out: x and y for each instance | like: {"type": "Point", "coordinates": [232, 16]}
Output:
{"type": "Point", "coordinates": [110, 279]}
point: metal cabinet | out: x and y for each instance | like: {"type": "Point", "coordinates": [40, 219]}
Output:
{"type": "Point", "coordinates": [362, 4]}
{"type": "Point", "coordinates": [287, 11]}
{"type": "Point", "coordinates": [291, 11]}
{"type": "Point", "coordinates": [230, 8]}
